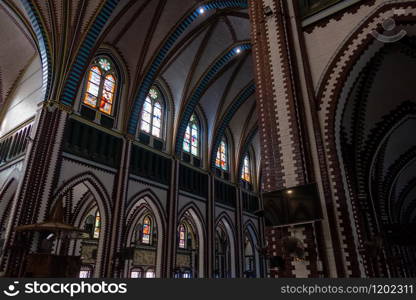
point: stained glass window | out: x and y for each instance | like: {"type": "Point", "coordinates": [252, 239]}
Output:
{"type": "Point", "coordinates": [182, 236]}
{"type": "Point", "coordinates": [97, 225]}
{"type": "Point", "coordinates": [245, 174]}
{"type": "Point", "coordinates": [147, 230]}
{"type": "Point", "coordinates": [152, 113]}
{"type": "Point", "coordinates": [101, 86]}
{"type": "Point", "coordinates": [222, 156]}
{"type": "Point", "coordinates": [93, 86]}
{"type": "Point", "coordinates": [136, 273]}
{"type": "Point", "coordinates": [150, 273]}
{"type": "Point", "coordinates": [191, 138]}
{"type": "Point", "coordinates": [84, 274]}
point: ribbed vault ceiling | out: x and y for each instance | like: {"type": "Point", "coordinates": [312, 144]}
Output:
{"type": "Point", "coordinates": [136, 31]}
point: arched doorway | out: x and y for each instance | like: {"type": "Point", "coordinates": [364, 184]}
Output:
{"type": "Point", "coordinates": [86, 206]}
{"type": "Point", "coordinates": [143, 245]}
{"type": "Point", "coordinates": [224, 247]}
{"type": "Point", "coordinates": [189, 247]}
{"type": "Point", "coordinates": [145, 223]}
{"type": "Point", "coordinates": [251, 267]}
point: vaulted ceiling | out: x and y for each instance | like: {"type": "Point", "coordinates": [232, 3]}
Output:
{"type": "Point", "coordinates": [17, 49]}
{"type": "Point", "coordinates": [139, 32]}
{"type": "Point", "coordinates": [202, 57]}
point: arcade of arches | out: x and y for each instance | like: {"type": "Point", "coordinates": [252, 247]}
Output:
{"type": "Point", "coordinates": [207, 139]}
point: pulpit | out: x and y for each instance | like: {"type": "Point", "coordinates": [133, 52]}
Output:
{"type": "Point", "coordinates": [46, 264]}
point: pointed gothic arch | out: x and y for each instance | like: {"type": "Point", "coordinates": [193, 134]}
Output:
{"type": "Point", "coordinates": [224, 220]}
{"type": "Point", "coordinates": [140, 205]}
{"type": "Point", "coordinates": [249, 230]}
{"type": "Point", "coordinates": [94, 198]}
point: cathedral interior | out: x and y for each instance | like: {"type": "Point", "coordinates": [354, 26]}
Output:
{"type": "Point", "coordinates": [207, 139]}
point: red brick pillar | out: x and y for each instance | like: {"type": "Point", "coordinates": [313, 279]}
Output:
{"type": "Point", "coordinates": [286, 159]}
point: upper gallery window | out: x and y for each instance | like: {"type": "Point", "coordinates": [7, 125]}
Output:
{"type": "Point", "coordinates": [191, 141]}
{"type": "Point", "coordinates": [136, 273]}
{"type": "Point", "coordinates": [222, 156]}
{"type": "Point", "coordinates": [152, 114]}
{"type": "Point", "coordinates": [146, 230]}
{"type": "Point", "coordinates": [101, 86]}
{"type": "Point", "coordinates": [245, 172]}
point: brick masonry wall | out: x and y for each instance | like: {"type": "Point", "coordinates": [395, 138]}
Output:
{"type": "Point", "coordinates": [309, 267]}
{"type": "Point", "coordinates": [280, 135]}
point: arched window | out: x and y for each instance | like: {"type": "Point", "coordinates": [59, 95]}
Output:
{"type": "Point", "coordinates": [85, 272]}
{"type": "Point", "coordinates": [136, 273]}
{"type": "Point", "coordinates": [245, 172]}
{"type": "Point", "coordinates": [150, 273]}
{"type": "Point", "coordinates": [222, 253]}
{"type": "Point", "coordinates": [222, 156]}
{"type": "Point", "coordinates": [146, 230]}
{"type": "Point", "coordinates": [182, 236]}
{"type": "Point", "coordinates": [97, 225]}
{"type": "Point", "coordinates": [152, 114]}
{"type": "Point", "coordinates": [101, 86]}
{"type": "Point", "coordinates": [191, 141]}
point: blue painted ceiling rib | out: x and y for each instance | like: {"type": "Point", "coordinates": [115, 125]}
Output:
{"type": "Point", "coordinates": [42, 45]}
{"type": "Point", "coordinates": [82, 59]}
{"type": "Point", "coordinates": [199, 91]}
{"type": "Point", "coordinates": [159, 59]}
